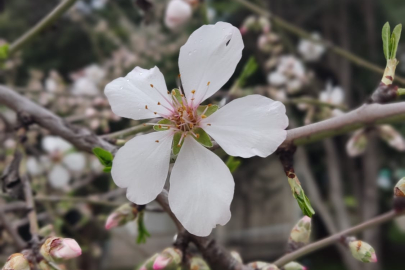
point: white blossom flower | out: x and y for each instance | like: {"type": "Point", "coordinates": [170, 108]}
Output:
{"type": "Point", "coordinates": [86, 81]}
{"type": "Point", "coordinates": [178, 12]}
{"type": "Point", "coordinates": [290, 72]}
{"type": "Point", "coordinates": [332, 94]}
{"type": "Point", "coordinates": [201, 185]}
{"type": "Point", "coordinates": [63, 161]}
{"type": "Point", "coordinates": [310, 50]}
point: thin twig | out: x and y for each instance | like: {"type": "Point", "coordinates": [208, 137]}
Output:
{"type": "Point", "coordinates": [18, 241]}
{"type": "Point", "coordinates": [34, 31]}
{"type": "Point", "coordinates": [127, 132]}
{"type": "Point", "coordinates": [32, 214]}
{"type": "Point", "coordinates": [336, 237]}
{"type": "Point", "coordinates": [303, 34]}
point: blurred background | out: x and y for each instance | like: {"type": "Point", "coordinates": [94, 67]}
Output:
{"type": "Point", "coordinates": [348, 178]}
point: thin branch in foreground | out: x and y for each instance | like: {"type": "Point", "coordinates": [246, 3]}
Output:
{"type": "Point", "coordinates": [49, 19]}
{"type": "Point", "coordinates": [337, 237]}
{"type": "Point", "coordinates": [303, 34]}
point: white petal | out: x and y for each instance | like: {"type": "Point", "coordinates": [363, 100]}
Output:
{"type": "Point", "coordinates": [33, 166]}
{"type": "Point", "coordinates": [277, 78]}
{"type": "Point", "coordinates": [53, 143]}
{"type": "Point", "coordinates": [337, 95]}
{"type": "Point", "coordinates": [209, 55]}
{"type": "Point", "coordinates": [128, 96]}
{"type": "Point", "coordinates": [201, 189]}
{"type": "Point", "coordinates": [250, 126]}
{"type": "Point", "coordinates": [59, 177]}
{"type": "Point", "coordinates": [75, 161]}
{"type": "Point", "coordinates": [142, 164]}
{"type": "Point", "coordinates": [85, 87]}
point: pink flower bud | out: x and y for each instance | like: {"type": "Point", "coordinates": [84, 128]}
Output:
{"type": "Point", "coordinates": [120, 216]}
{"type": "Point", "coordinates": [56, 248]}
{"type": "Point", "coordinates": [68, 249]}
{"type": "Point", "coordinates": [178, 12]}
{"type": "Point", "coordinates": [161, 262]}
{"type": "Point", "coordinates": [362, 251]}
{"type": "Point", "coordinates": [170, 258]}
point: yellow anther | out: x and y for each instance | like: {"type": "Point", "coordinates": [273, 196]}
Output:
{"type": "Point", "coordinates": [208, 124]}
{"type": "Point", "coordinates": [158, 103]}
{"type": "Point", "coordinates": [179, 75]}
{"type": "Point", "coordinates": [208, 83]}
{"type": "Point", "coordinates": [173, 92]}
{"type": "Point", "coordinates": [209, 105]}
{"type": "Point", "coordinates": [203, 116]}
{"type": "Point", "coordinates": [160, 126]}
{"type": "Point", "coordinates": [181, 95]}
{"type": "Point", "coordinates": [168, 92]}
{"type": "Point", "coordinates": [191, 125]}
{"type": "Point", "coordinates": [193, 91]}
{"type": "Point", "coordinates": [157, 141]}
{"type": "Point", "coordinates": [178, 145]}
{"type": "Point", "coordinates": [192, 99]}
{"type": "Point", "coordinates": [155, 112]}
{"type": "Point", "coordinates": [197, 136]}
{"type": "Point", "coordinates": [151, 85]}
{"type": "Point", "coordinates": [146, 106]}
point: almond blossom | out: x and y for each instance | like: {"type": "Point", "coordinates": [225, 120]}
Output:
{"type": "Point", "coordinates": [201, 185]}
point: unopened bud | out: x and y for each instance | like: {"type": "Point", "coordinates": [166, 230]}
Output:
{"type": "Point", "coordinates": [300, 234]}
{"type": "Point", "coordinates": [170, 258]}
{"type": "Point", "coordinates": [262, 266]}
{"type": "Point", "coordinates": [357, 143]}
{"type": "Point", "coordinates": [57, 248]}
{"type": "Point", "coordinates": [362, 251]}
{"type": "Point", "coordinates": [122, 215]}
{"type": "Point", "coordinates": [236, 256]}
{"type": "Point", "coordinates": [17, 261]}
{"type": "Point", "coordinates": [198, 264]}
{"type": "Point", "coordinates": [392, 137]}
{"type": "Point", "coordinates": [178, 12]}
{"type": "Point", "coordinates": [294, 266]}
{"type": "Point", "coordinates": [399, 195]}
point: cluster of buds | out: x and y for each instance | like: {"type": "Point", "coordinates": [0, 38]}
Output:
{"type": "Point", "coordinates": [262, 266]}
{"type": "Point", "coordinates": [362, 251]}
{"type": "Point", "coordinates": [168, 259]}
{"type": "Point", "coordinates": [120, 216]}
{"type": "Point", "coordinates": [56, 249]}
{"type": "Point", "coordinates": [399, 195]}
{"type": "Point", "coordinates": [294, 266]}
{"type": "Point", "coordinates": [357, 143]}
{"type": "Point", "coordinates": [17, 261]}
{"type": "Point", "coordinates": [254, 23]}
{"type": "Point", "coordinates": [300, 234]}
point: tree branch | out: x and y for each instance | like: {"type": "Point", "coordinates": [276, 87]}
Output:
{"type": "Point", "coordinates": [81, 138]}
{"type": "Point", "coordinates": [367, 114]}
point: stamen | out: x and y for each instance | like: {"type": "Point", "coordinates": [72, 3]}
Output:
{"type": "Point", "coordinates": [205, 92]}
{"type": "Point", "coordinates": [157, 141]}
{"type": "Point", "coordinates": [146, 106]}
{"type": "Point", "coordinates": [203, 116]}
{"type": "Point", "coordinates": [165, 98]}
{"type": "Point", "coordinates": [181, 139]}
{"type": "Point", "coordinates": [208, 124]}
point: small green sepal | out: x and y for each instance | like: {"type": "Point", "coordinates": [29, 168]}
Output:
{"type": "Point", "coordinates": [162, 122]}
{"type": "Point", "coordinates": [176, 146]}
{"type": "Point", "coordinates": [211, 109]}
{"type": "Point", "coordinates": [202, 137]}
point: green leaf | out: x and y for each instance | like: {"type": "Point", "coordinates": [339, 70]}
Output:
{"type": "Point", "coordinates": [249, 68]}
{"type": "Point", "coordinates": [395, 37]}
{"type": "Point", "coordinates": [107, 169]}
{"type": "Point", "coordinates": [162, 122]}
{"type": "Point", "coordinates": [386, 33]}
{"type": "Point", "coordinates": [176, 147]}
{"type": "Point", "coordinates": [143, 233]}
{"type": "Point", "coordinates": [103, 156]}
{"type": "Point", "coordinates": [233, 163]}
{"type": "Point", "coordinates": [202, 137]}
{"type": "Point", "coordinates": [211, 109]}
{"type": "Point", "coordinates": [302, 199]}
{"type": "Point", "coordinates": [4, 51]}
